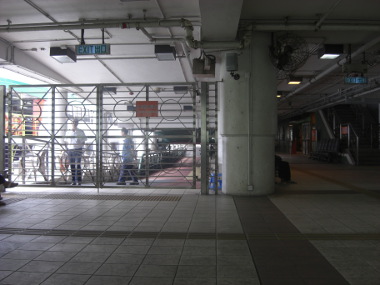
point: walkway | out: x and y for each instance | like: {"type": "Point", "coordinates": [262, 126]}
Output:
{"type": "Point", "coordinates": [325, 229]}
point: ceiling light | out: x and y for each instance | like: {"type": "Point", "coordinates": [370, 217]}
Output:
{"type": "Point", "coordinates": [165, 52]}
{"type": "Point", "coordinates": [180, 89]}
{"type": "Point", "coordinates": [188, 108]}
{"type": "Point", "coordinates": [63, 55]}
{"type": "Point", "coordinates": [294, 80]}
{"type": "Point", "coordinates": [330, 51]}
{"type": "Point", "coordinates": [110, 90]}
{"type": "Point", "coordinates": [279, 94]}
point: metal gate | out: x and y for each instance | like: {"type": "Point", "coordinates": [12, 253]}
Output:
{"type": "Point", "coordinates": [164, 122]}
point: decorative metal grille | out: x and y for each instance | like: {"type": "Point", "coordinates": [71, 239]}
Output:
{"type": "Point", "coordinates": [162, 122]}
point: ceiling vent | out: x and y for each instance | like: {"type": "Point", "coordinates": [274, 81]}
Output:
{"type": "Point", "coordinates": [165, 52]}
{"type": "Point", "coordinates": [63, 55]}
{"type": "Point", "coordinates": [180, 89]}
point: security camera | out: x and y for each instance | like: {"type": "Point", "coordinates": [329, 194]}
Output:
{"type": "Point", "coordinates": [236, 76]}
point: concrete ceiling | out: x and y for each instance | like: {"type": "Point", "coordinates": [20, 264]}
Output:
{"type": "Point", "coordinates": [28, 28]}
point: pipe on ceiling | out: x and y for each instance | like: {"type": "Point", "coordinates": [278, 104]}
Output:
{"type": "Point", "coordinates": [327, 71]}
{"type": "Point", "coordinates": [124, 24]}
{"type": "Point", "coordinates": [312, 27]}
{"type": "Point", "coordinates": [325, 15]}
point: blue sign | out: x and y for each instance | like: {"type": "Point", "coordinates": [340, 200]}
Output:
{"type": "Point", "coordinates": [356, 80]}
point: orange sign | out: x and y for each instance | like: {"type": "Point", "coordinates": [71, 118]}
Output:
{"type": "Point", "coordinates": [146, 108]}
{"type": "Point", "coordinates": [344, 130]}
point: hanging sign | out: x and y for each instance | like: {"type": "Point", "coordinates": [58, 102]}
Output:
{"type": "Point", "coordinates": [344, 130]}
{"type": "Point", "coordinates": [146, 108]}
{"type": "Point", "coordinates": [356, 80]}
{"type": "Point", "coordinates": [93, 49]}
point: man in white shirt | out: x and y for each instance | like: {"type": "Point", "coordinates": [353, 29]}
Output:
{"type": "Point", "coordinates": [75, 140]}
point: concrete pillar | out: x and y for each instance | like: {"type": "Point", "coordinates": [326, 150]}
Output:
{"type": "Point", "coordinates": [249, 110]}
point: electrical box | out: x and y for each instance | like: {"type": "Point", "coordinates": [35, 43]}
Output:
{"type": "Point", "coordinates": [203, 68]}
{"type": "Point", "coordinates": [231, 62]}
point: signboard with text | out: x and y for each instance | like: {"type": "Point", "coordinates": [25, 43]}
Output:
{"type": "Point", "coordinates": [92, 49]}
{"type": "Point", "coordinates": [356, 80]}
{"type": "Point", "coordinates": [146, 108]}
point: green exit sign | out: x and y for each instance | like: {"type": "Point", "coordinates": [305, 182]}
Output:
{"type": "Point", "coordinates": [93, 49]}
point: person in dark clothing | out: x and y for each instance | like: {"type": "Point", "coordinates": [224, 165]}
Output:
{"type": "Point", "coordinates": [6, 184]}
{"type": "Point", "coordinates": [128, 157]}
{"type": "Point", "coordinates": [282, 169]}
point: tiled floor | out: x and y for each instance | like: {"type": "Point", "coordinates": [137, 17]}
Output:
{"type": "Point", "coordinates": [325, 229]}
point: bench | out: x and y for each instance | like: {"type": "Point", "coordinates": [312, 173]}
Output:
{"type": "Point", "coordinates": [327, 150]}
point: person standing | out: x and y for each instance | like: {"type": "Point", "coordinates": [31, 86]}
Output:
{"type": "Point", "coordinates": [128, 156]}
{"type": "Point", "coordinates": [75, 140]}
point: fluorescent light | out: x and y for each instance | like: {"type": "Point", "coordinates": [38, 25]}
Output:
{"type": "Point", "coordinates": [329, 56]}
{"type": "Point", "coordinates": [330, 51]}
{"type": "Point", "coordinates": [180, 89]}
{"type": "Point", "coordinates": [132, 0]}
{"type": "Point", "coordinates": [110, 90]}
{"type": "Point", "coordinates": [63, 55]}
{"type": "Point", "coordinates": [165, 52]}
{"type": "Point", "coordinates": [293, 80]}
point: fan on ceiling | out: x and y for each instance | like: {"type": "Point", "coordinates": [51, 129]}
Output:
{"type": "Point", "coordinates": [287, 53]}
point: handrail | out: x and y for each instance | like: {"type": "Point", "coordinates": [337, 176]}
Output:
{"type": "Point", "coordinates": [348, 130]}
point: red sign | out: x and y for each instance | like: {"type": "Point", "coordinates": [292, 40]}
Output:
{"type": "Point", "coordinates": [146, 108]}
{"type": "Point", "coordinates": [314, 135]}
{"type": "Point", "coordinates": [344, 130]}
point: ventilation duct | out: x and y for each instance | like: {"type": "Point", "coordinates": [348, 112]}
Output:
{"type": "Point", "coordinates": [63, 55]}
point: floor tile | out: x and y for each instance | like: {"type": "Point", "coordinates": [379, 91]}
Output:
{"type": "Point", "coordinates": [55, 256]}
{"type": "Point", "coordinates": [161, 259]}
{"type": "Point", "coordinates": [23, 254]}
{"type": "Point", "coordinates": [167, 271]}
{"type": "Point", "coordinates": [138, 280]}
{"type": "Point", "coordinates": [195, 281]}
{"type": "Point", "coordinates": [117, 269]}
{"type": "Point", "coordinates": [108, 280]}
{"type": "Point", "coordinates": [41, 266]}
{"type": "Point", "coordinates": [72, 279]}
{"type": "Point", "coordinates": [12, 264]}
{"type": "Point", "coordinates": [120, 258]}
{"type": "Point", "coordinates": [304, 237]}
{"type": "Point", "coordinates": [190, 271]}
{"type": "Point", "coordinates": [25, 278]}
{"type": "Point", "coordinates": [79, 268]}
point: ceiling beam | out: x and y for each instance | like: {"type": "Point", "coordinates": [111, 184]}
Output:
{"type": "Point", "coordinates": [220, 19]}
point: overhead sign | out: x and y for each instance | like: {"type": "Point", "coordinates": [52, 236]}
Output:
{"type": "Point", "coordinates": [93, 49]}
{"type": "Point", "coordinates": [356, 80]}
{"type": "Point", "coordinates": [146, 108]}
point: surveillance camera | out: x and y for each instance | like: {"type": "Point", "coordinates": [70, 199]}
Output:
{"type": "Point", "coordinates": [236, 76]}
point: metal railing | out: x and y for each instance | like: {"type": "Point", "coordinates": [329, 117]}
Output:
{"type": "Point", "coordinates": [350, 139]}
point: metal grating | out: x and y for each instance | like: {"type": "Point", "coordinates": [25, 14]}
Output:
{"type": "Point", "coordinates": [74, 196]}
{"type": "Point", "coordinates": [13, 200]}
